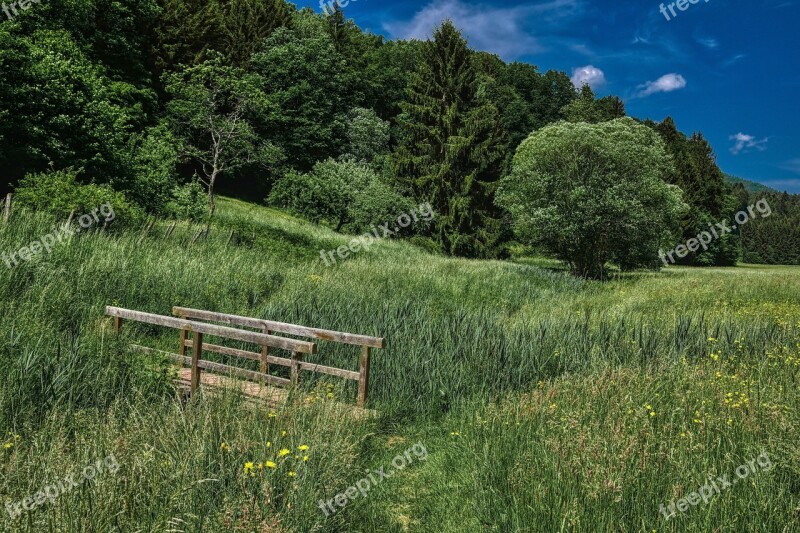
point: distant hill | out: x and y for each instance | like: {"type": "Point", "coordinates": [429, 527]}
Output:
{"type": "Point", "coordinates": [751, 186]}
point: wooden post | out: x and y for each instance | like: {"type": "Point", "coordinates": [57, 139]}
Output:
{"type": "Point", "coordinates": [147, 229]}
{"type": "Point", "coordinates": [171, 229]}
{"type": "Point", "coordinates": [363, 377]}
{"type": "Point", "coordinates": [117, 324]}
{"type": "Point", "coordinates": [197, 353]}
{"type": "Point", "coordinates": [295, 368]}
{"type": "Point", "coordinates": [184, 336]}
{"type": "Point", "coordinates": [264, 355]}
{"type": "Point", "coordinates": [7, 208]}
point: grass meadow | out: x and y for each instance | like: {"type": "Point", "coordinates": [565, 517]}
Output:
{"type": "Point", "coordinates": [545, 403]}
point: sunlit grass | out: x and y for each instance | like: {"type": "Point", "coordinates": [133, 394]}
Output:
{"type": "Point", "coordinates": [529, 388]}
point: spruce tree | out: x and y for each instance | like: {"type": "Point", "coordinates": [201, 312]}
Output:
{"type": "Point", "coordinates": [451, 146]}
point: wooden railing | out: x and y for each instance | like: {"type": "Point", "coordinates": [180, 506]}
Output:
{"type": "Point", "coordinates": [198, 329]}
{"type": "Point", "coordinates": [269, 326]}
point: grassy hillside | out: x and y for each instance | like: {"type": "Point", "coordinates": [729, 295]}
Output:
{"type": "Point", "coordinates": [542, 402]}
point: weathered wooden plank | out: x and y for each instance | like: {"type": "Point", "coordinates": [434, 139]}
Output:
{"type": "Point", "coordinates": [265, 356]}
{"type": "Point", "coordinates": [254, 337]}
{"type": "Point", "coordinates": [282, 327]}
{"type": "Point", "coordinates": [242, 373]}
{"type": "Point", "coordinates": [197, 355]}
{"type": "Point", "coordinates": [338, 372]}
{"type": "Point", "coordinates": [171, 229]}
{"type": "Point", "coordinates": [184, 337]}
{"type": "Point", "coordinates": [255, 356]}
{"type": "Point", "coordinates": [282, 361]}
{"type": "Point", "coordinates": [363, 380]}
{"type": "Point", "coordinates": [217, 367]}
{"type": "Point", "coordinates": [294, 370]}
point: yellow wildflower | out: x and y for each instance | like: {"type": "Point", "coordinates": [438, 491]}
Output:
{"type": "Point", "coordinates": [270, 464]}
{"type": "Point", "coordinates": [284, 452]}
{"type": "Point", "coordinates": [302, 447]}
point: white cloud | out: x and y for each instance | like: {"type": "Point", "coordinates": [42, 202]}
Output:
{"type": "Point", "coordinates": [708, 42]}
{"type": "Point", "coordinates": [665, 84]}
{"type": "Point", "coordinates": [588, 74]}
{"type": "Point", "coordinates": [744, 142]}
{"type": "Point", "coordinates": [733, 60]}
{"type": "Point", "coordinates": [503, 31]}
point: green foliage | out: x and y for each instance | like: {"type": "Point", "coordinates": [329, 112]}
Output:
{"type": "Point", "coordinates": [306, 80]}
{"type": "Point", "coordinates": [593, 194]}
{"type": "Point", "coordinates": [154, 160]}
{"type": "Point", "coordinates": [212, 113]}
{"type": "Point", "coordinates": [586, 108]}
{"type": "Point", "coordinates": [367, 135]}
{"type": "Point", "coordinates": [64, 108]}
{"type": "Point", "coordinates": [189, 30]}
{"type": "Point", "coordinates": [187, 202]}
{"type": "Point", "coordinates": [58, 192]}
{"type": "Point", "coordinates": [774, 239]}
{"type": "Point", "coordinates": [451, 146]}
{"type": "Point", "coordinates": [344, 194]}
{"type": "Point", "coordinates": [696, 172]}
{"type": "Point", "coordinates": [245, 23]}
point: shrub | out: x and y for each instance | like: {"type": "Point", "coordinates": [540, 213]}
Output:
{"type": "Point", "coordinates": [344, 194]}
{"type": "Point", "coordinates": [58, 192]}
{"type": "Point", "coordinates": [188, 202]}
{"type": "Point", "coordinates": [593, 194]}
{"type": "Point", "coordinates": [154, 161]}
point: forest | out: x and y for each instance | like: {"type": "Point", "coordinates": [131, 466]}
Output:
{"type": "Point", "coordinates": [162, 104]}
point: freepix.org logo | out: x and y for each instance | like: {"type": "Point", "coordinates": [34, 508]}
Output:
{"type": "Point", "coordinates": [682, 5]}
{"type": "Point", "coordinates": [11, 9]}
{"type": "Point", "coordinates": [330, 6]}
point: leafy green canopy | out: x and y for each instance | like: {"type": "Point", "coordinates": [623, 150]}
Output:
{"type": "Point", "coordinates": [347, 195]}
{"type": "Point", "coordinates": [593, 194]}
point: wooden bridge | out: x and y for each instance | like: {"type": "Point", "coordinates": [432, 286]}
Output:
{"type": "Point", "coordinates": [193, 324]}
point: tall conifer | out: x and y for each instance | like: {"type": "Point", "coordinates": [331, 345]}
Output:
{"type": "Point", "coordinates": [451, 147]}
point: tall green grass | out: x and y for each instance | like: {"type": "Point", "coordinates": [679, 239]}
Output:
{"type": "Point", "coordinates": [479, 349]}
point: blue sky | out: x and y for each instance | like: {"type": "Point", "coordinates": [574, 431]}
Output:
{"type": "Point", "coordinates": [726, 68]}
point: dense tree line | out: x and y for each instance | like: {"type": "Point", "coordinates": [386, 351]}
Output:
{"type": "Point", "coordinates": [158, 98]}
{"type": "Point", "coordinates": [775, 239]}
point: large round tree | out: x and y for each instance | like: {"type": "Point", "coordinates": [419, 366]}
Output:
{"type": "Point", "coordinates": [593, 194]}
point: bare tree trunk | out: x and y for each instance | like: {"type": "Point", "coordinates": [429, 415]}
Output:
{"type": "Point", "coordinates": [212, 206]}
